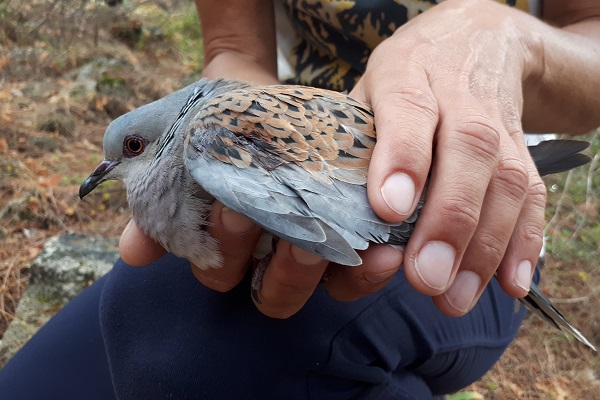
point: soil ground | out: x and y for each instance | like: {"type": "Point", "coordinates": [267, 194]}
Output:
{"type": "Point", "coordinates": [68, 68]}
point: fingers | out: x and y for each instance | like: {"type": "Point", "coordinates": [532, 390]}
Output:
{"type": "Point", "coordinates": [484, 197]}
{"type": "Point", "coordinates": [459, 181]}
{"type": "Point", "coordinates": [380, 264]}
{"type": "Point", "coordinates": [237, 237]}
{"type": "Point", "coordinates": [289, 281]}
{"type": "Point", "coordinates": [137, 248]}
{"type": "Point", "coordinates": [499, 213]}
{"type": "Point", "coordinates": [406, 118]}
{"type": "Point", "coordinates": [517, 268]}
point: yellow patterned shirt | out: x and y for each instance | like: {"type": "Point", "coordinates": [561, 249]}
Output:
{"type": "Point", "coordinates": [334, 38]}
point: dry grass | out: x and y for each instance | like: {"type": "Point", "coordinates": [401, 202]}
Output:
{"type": "Point", "coordinates": [542, 363]}
{"type": "Point", "coordinates": [59, 87]}
{"type": "Point", "coordinates": [50, 139]}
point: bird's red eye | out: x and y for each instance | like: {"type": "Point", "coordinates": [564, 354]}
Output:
{"type": "Point", "coordinates": [133, 146]}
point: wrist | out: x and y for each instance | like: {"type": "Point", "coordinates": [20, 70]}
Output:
{"type": "Point", "coordinates": [238, 66]}
{"type": "Point", "coordinates": [531, 40]}
{"type": "Point", "coordinates": [562, 97]}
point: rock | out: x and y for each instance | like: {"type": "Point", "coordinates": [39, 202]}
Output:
{"type": "Point", "coordinates": [93, 70]}
{"type": "Point", "coordinates": [67, 265]}
{"type": "Point", "coordinates": [82, 91]}
{"type": "Point", "coordinates": [25, 63]}
{"type": "Point", "coordinates": [40, 90]}
{"type": "Point", "coordinates": [17, 209]}
{"type": "Point", "coordinates": [101, 84]}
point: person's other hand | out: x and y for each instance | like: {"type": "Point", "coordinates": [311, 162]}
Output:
{"type": "Point", "coordinates": [446, 90]}
{"type": "Point", "coordinates": [290, 278]}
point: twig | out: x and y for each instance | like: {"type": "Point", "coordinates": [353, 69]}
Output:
{"type": "Point", "coordinates": [48, 14]}
{"type": "Point", "coordinates": [559, 207]}
{"type": "Point", "coordinates": [589, 193]}
{"type": "Point", "coordinates": [572, 300]}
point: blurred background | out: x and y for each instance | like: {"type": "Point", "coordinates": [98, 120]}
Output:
{"type": "Point", "coordinates": [68, 67]}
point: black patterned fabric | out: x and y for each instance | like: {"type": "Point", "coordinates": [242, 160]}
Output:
{"type": "Point", "coordinates": [336, 37]}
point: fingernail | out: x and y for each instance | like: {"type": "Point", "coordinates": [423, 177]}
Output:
{"type": "Point", "coordinates": [127, 227]}
{"type": "Point", "coordinates": [523, 275]}
{"type": "Point", "coordinates": [380, 277]}
{"type": "Point", "coordinates": [398, 192]}
{"type": "Point", "coordinates": [463, 290]}
{"type": "Point", "coordinates": [434, 264]}
{"type": "Point", "coordinates": [234, 222]}
{"type": "Point", "coordinates": [304, 257]}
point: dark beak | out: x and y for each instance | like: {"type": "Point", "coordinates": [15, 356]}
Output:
{"type": "Point", "coordinates": [96, 178]}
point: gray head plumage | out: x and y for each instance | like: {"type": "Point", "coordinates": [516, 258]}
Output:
{"type": "Point", "coordinates": [143, 149]}
{"type": "Point", "coordinates": [133, 139]}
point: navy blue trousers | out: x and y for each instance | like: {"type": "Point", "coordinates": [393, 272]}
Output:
{"type": "Point", "coordinates": [156, 333]}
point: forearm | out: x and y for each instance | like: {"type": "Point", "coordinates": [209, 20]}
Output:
{"type": "Point", "coordinates": [239, 39]}
{"type": "Point", "coordinates": [565, 96]}
{"type": "Point", "coordinates": [236, 65]}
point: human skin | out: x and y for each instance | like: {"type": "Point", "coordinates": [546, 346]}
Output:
{"type": "Point", "coordinates": [456, 102]}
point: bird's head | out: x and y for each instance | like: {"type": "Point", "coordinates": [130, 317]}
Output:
{"type": "Point", "coordinates": [132, 141]}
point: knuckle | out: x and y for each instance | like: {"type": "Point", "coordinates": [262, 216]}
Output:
{"type": "Point", "coordinates": [414, 98]}
{"type": "Point", "coordinates": [477, 137]}
{"type": "Point", "coordinates": [532, 233]}
{"type": "Point", "coordinates": [537, 193]}
{"type": "Point", "coordinates": [416, 107]}
{"type": "Point", "coordinates": [491, 248]}
{"type": "Point", "coordinates": [513, 177]}
{"type": "Point", "coordinates": [462, 212]}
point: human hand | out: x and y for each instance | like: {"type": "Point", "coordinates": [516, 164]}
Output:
{"type": "Point", "coordinates": [446, 90]}
{"type": "Point", "coordinates": [292, 275]}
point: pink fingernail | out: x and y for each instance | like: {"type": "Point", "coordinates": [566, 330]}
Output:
{"type": "Point", "coordinates": [463, 290]}
{"type": "Point", "coordinates": [127, 227]}
{"type": "Point", "coordinates": [434, 264]}
{"type": "Point", "coordinates": [398, 192]}
{"type": "Point", "coordinates": [523, 275]}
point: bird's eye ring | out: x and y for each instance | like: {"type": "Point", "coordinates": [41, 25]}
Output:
{"type": "Point", "coordinates": [133, 146]}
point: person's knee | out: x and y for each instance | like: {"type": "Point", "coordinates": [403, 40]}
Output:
{"type": "Point", "coordinates": [451, 371]}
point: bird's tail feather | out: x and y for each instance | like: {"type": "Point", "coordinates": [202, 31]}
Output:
{"type": "Point", "coordinates": [538, 303]}
{"type": "Point", "coordinates": [554, 156]}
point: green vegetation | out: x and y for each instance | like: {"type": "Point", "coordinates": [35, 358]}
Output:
{"type": "Point", "coordinates": [573, 230]}
{"type": "Point", "coordinates": [181, 27]}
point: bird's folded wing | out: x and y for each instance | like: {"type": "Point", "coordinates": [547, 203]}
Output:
{"type": "Point", "coordinates": [325, 216]}
{"type": "Point", "coordinates": [292, 159]}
